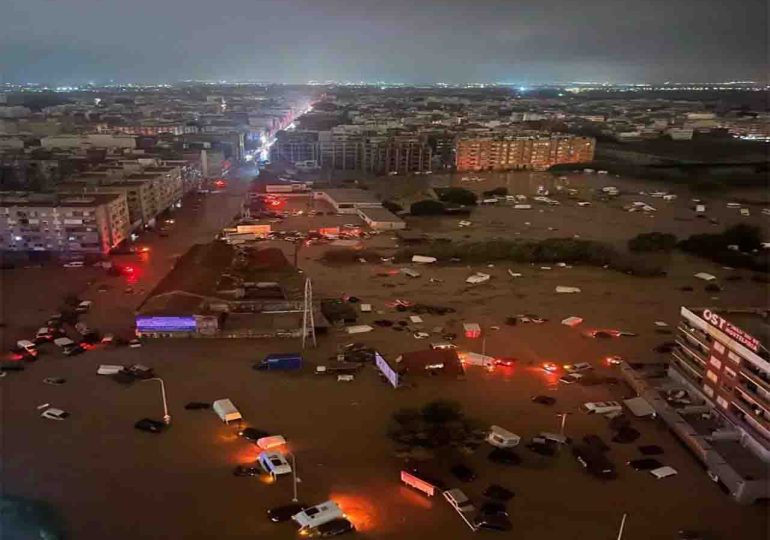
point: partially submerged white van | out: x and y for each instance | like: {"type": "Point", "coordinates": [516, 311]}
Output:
{"type": "Point", "coordinates": [502, 438]}
{"type": "Point", "coordinates": [226, 411]}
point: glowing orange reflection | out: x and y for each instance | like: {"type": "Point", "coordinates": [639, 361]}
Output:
{"type": "Point", "coordinates": [361, 511]}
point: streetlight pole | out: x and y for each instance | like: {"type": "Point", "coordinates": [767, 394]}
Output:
{"type": "Point", "coordinates": [294, 476]}
{"type": "Point", "coordinates": [166, 416]}
{"type": "Point", "coordinates": [563, 422]}
{"type": "Point", "coordinates": [622, 526]}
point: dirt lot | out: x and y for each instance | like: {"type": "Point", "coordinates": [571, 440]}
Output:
{"type": "Point", "coordinates": [108, 479]}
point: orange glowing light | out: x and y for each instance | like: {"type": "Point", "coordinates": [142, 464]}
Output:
{"type": "Point", "coordinates": [550, 367]}
{"type": "Point", "coordinates": [359, 510]}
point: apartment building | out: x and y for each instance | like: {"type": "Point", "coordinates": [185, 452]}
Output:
{"type": "Point", "coordinates": [92, 223]}
{"type": "Point", "coordinates": [722, 353]}
{"type": "Point", "coordinates": [502, 151]}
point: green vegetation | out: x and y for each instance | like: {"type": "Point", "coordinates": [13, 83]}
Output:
{"type": "Point", "coordinates": [551, 250]}
{"type": "Point", "coordinates": [427, 207]}
{"type": "Point", "coordinates": [653, 241]}
{"type": "Point", "coordinates": [717, 247]}
{"type": "Point", "coordinates": [455, 195]}
{"type": "Point", "coordinates": [437, 425]}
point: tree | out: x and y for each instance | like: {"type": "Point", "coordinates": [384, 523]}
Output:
{"type": "Point", "coordinates": [438, 425]}
{"type": "Point", "coordinates": [427, 207]}
{"type": "Point", "coordinates": [746, 237]}
{"type": "Point", "coordinates": [457, 196]}
{"type": "Point", "coordinates": [653, 241]}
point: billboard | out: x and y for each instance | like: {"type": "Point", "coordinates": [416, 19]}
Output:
{"type": "Point", "coordinates": [386, 370]}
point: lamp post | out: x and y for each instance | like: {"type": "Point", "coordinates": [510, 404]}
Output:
{"type": "Point", "coordinates": [563, 421]}
{"type": "Point", "coordinates": [295, 480]}
{"type": "Point", "coordinates": [622, 526]}
{"type": "Point", "coordinates": [166, 416]}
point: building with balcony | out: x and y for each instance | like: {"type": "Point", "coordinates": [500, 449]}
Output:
{"type": "Point", "coordinates": [505, 151]}
{"type": "Point", "coordinates": [92, 223]}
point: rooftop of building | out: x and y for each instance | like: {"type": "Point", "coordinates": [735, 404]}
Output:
{"type": "Point", "coordinates": [752, 320]}
{"type": "Point", "coordinates": [54, 200]}
{"type": "Point", "coordinates": [350, 195]}
{"type": "Point", "coordinates": [380, 214]}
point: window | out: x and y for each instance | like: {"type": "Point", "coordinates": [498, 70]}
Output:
{"type": "Point", "coordinates": [729, 373]}
{"type": "Point", "coordinates": [710, 375]}
{"type": "Point", "coordinates": [718, 347]}
{"type": "Point", "coordinates": [708, 390]}
{"type": "Point", "coordinates": [715, 362]}
{"type": "Point", "coordinates": [734, 357]}
{"type": "Point", "coordinates": [722, 402]}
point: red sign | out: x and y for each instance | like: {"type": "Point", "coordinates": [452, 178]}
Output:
{"type": "Point", "coordinates": [731, 330]}
{"type": "Point", "coordinates": [416, 483]}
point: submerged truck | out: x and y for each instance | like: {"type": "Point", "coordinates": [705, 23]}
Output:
{"type": "Point", "coordinates": [280, 362]}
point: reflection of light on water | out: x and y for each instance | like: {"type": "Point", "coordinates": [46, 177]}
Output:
{"type": "Point", "coordinates": [414, 498]}
{"type": "Point", "coordinates": [361, 511]}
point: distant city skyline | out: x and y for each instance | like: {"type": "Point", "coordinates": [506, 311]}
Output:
{"type": "Point", "coordinates": [453, 41]}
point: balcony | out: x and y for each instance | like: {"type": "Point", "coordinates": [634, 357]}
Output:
{"type": "Point", "coordinates": [756, 376]}
{"type": "Point", "coordinates": [754, 394]}
{"type": "Point", "coordinates": [687, 368]}
{"type": "Point", "coordinates": [748, 411]}
{"type": "Point", "coordinates": [699, 339]}
{"type": "Point", "coordinates": [693, 355]}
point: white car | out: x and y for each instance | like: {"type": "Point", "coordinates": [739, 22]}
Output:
{"type": "Point", "coordinates": [602, 407]}
{"type": "Point", "coordinates": [54, 414]}
{"type": "Point", "coordinates": [73, 264]}
{"type": "Point", "coordinates": [274, 463]}
{"type": "Point", "coordinates": [319, 514]}
{"type": "Point", "coordinates": [570, 378]}
{"type": "Point", "coordinates": [663, 472]}
{"type": "Point", "coordinates": [577, 368]}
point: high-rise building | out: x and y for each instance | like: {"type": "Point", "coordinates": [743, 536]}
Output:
{"type": "Point", "coordinates": [723, 354]}
{"type": "Point", "coordinates": [509, 151]}
{"type": "Point", "coordinates": [93, 223]}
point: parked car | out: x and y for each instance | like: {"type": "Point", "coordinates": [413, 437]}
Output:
{"type": "Point", "coordinates": [571, 378]}
{"type": "Point", "coordinates": [602, 407]}
{"type": "Point", "coordinates": [505, 361]}
{"type": "Point", "coordinates": [140, 371]}
{"type": "Point", "coordinates": [626, 434]}
{"type": "Point", "coordinates": [644, 464]}
{"type": "Point", "coordinates": [54, 414]}
{"type": "Point", "coordinates": [335, 527]}
{"type": "Point", "coordinates": [279, 514]}
{"type": "Point", "coordinates": [197, 405]}
{"type": "Point", "coordinates": [151, 426]}
{"type": "Point", "coordinates": [274, 463]}
{"type": "Point", "coordinates": [493, 522]}
{"type": "Point", "coordinates": [494, 508]}
{"type": "Point", "coordinates": [463, 473]}
{"type": "Point", "coordinates": [544, 400]}
{"type": "Point", "coordinates": [498, 492]}
{"type": "Point", "coordinates": [252, 434]}
{"type": "Point", "coordinates": [595, 442]}
{"type": "Point", "coordinates": [577, 368]}
{"type": "Point", "coordinates": [504, 456]}
{"type": "Point", "coordinates": [595, 462]}
{"type": "Point", "coordinates": [244, 470]}
{"type": "Point", "coordinates": [663, 472]}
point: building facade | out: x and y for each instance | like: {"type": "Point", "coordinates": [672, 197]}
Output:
{"type": "Point", "coordinates": [500, 152]}
{"type": "Point", "coordinates": [723, 353]}
{"type": "Point", "coordinates": [63, 223]}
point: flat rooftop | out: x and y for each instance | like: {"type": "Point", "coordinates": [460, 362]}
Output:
{"type": "Point", "coordinates": [38, 200]}
{"type": "Point", "coordinates": [350, 195]}
{"type": "Point", "coordinates": [380, 214]}
{"type": "Point", "coordinates": [755, 322]}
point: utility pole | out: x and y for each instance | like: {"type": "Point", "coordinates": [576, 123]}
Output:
{"type": "Point", "coordinates": [622, 526]}
{"type": "Point", "coordinates": [166, 416]}
{"type": "Point", "coordinates": [308, 322]}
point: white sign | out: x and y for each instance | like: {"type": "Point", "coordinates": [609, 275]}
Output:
{"type": "Point", "coordinates": [386, 370]}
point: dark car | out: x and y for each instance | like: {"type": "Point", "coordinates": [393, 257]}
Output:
{"type": "Point", "coordinates": [335, 527]}
{"type": "Point", "coordinates": [494, 508]}
{"type": "Point", "coordinates": [493, 522]}
{"type": "Point", "coordinates": [596, 442]}
{"type": "Point", "coordinates": [544, 400]}
{"type": "Point", "coordinates": [505, 361]}
{"type": "Point", "coordinates": [463, 473]}
{"type": "Point", "coordinates": [498, 492]}
{"type": "Point", "coordinates": [149, 425]}
{"type": "Point", "coordinates": [645, 464]}
{"type": "Point", "coordinates": [504, 456]}
{"type": "Point", "coordinates": [543, 447]}
{"type": "Point", "coordinates": [197, 405]}
{"type": "Point", "coordinates": [650, 449]}
{"type": "Point", "coordinates": [594, 461]}
{"type": "Point", "coordinates": [626, 435]}
{"type": "Point", "coordinates": [252, 434]}
{"type": "Point", "coordinates": [139, 371]}
{"type": "Point", "coordinates": [11, 366]}
{"type": "Point", "coordinates": [73, 350]}
{"type": "Point", "coordinates": [243, 470]}
{"type": "Point", "coordinates": [279, 514]}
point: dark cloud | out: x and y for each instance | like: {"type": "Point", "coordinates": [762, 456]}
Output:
{"type": "Point", "coordinates": [398, 40]}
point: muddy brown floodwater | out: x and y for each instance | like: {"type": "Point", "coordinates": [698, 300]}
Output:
{"type": "Point", "coordinates": [111, 481]}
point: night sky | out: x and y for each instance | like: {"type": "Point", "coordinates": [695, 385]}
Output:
{"type": "Point", "coordinates": [518, 41]}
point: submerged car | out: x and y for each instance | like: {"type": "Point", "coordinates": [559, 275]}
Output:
{"type": "Point", "coordinates": [150, 426]}
{"type": "Point", "coordinates": [279, 514]}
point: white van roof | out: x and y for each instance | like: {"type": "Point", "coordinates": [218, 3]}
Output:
{"type": "Point", "coordinates": [503, 433]}
{"type": "Point", "coordinates": [663, 472]}
{"type": "Point", "coordinates": [318, 515]}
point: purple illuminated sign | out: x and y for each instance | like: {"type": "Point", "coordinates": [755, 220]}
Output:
{"type": "Point", "coordinates": [165, 324]}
